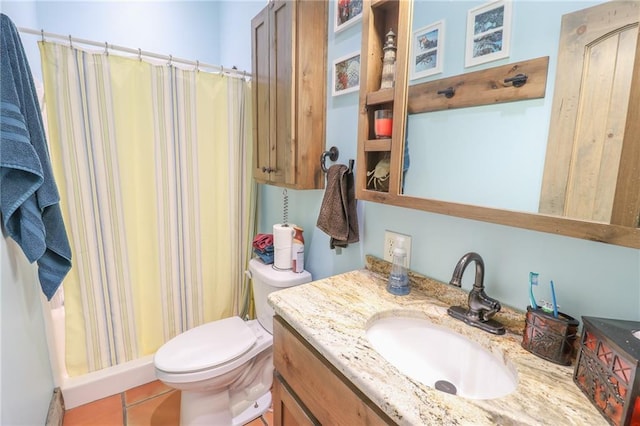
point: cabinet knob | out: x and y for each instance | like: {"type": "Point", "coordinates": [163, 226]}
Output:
{"type": "Point", "coordinates": [267, 169]}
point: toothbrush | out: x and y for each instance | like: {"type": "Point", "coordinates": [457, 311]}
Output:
{"type": "Point", "coordinates": [533, 280]}
{"type": "Point", "coordinates": [553, 299]}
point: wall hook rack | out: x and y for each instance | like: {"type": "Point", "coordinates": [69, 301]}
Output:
{"type": "Point", "coordinates": [448, 93]}
{"type": "Point", "coordinates": [483, 87]}
{"type": "Point", "coordinates": [517, 80]}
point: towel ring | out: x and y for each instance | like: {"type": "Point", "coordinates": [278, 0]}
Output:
{"type": "Point", "coordinates": [333, 155]}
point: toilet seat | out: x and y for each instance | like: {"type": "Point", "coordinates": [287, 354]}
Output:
{"type": "Point", "coordinates": [208, 350]}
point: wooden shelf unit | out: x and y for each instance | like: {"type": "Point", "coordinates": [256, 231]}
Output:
{"type": "Point", "coordinates": [378, 18]}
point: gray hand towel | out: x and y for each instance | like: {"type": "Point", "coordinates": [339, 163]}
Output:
{"type": "Point", "coordinates": [28, 194]}
{"type": "Point", "coordinates": [338, 217]}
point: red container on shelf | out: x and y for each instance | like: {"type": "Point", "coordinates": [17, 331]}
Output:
{"type": "Point", "coordinates": [383, 123]}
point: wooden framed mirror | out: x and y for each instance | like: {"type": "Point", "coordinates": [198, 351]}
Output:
{"type": "Point", "coordinates": [586, 30]}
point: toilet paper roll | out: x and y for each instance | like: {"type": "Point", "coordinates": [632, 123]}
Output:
{"type": "Point", "coordinates": [282, 241]}
{"type": "Point", "coordinates": [280, 259]}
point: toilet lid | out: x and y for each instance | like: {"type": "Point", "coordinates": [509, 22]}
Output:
{"type": "Point", "coordinates": [205, 346]}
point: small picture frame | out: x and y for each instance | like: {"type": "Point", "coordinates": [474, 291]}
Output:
{"type": "Point", "coordinates": [488, 32]}
{"type": "Point", "coordinates": [427, 50]}
{"type": "Point", "coordinates": [346, 74]}
{"type": "Point", "coordinates": [347, 13]}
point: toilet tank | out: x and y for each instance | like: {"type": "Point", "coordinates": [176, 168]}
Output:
{"type": "Point", "coordinates": [265, 279]}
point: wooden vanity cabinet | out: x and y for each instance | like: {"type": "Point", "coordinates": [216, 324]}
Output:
{"type": "Point", "coordinates": [289, 51]}
{"type": "Point", "coordinates": [309, 390]}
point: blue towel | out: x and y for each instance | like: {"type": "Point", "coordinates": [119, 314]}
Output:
{"type": "Point", "coordinates": [28, 194]}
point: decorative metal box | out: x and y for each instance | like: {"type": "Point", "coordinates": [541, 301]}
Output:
{"type": "Point", "coordinates": [550, 338]}
{"type": "Point", "coordinates": [607, 368]}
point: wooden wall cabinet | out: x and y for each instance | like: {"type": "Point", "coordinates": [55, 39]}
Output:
{"type": "Point", "coordinates": [289, 43]}
{"type": "Point", "coordinates": [308, 390]}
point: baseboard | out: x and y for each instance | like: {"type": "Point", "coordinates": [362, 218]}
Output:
{"type": "Point", "coordinates": [55, 415]}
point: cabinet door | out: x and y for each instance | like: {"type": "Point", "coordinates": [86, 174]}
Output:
{"type": "Point", "coordinates": [287, 410]}
{"type": "Point", "coordinates": [260, 86]}
{"type": "Point", "coordinates": [281, 93]}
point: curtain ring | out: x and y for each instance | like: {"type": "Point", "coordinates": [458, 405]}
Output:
{"type": "Point", "coordinates": [170, 60]}
{"type": "Point", "coordinates": [70, 42]}
{"type": "Point", "coordinates": [106, 48]}
{"type": "Point", "coordinates": [197, 65]}
{"type": "Point", "coordinates": [42, 34]}
{"type": "Point", "coordinates": [139, 54]}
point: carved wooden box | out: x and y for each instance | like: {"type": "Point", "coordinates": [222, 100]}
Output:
{"type": "Point", "coordinates": [607, 368]}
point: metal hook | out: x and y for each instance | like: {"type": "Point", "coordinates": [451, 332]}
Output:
{"type": "Point", "coordinates": [42, 33]}
{"type": "Point", "coordinates": [448, 92]}
{"type": "Point", "coordinates": [139, 54]}
{"type": "Point", "coordinates": [333, 154]}
{"type": "Point", "coordinates": [197, 65]}
{"type": "Point", "coordinates": [518, 80]}
{"type": "Point", "coordinates": [70, 42]}
{"type": "Point", "coordinates": [170, 60]}
{"type": "Point", "coordinates": [106, 48]}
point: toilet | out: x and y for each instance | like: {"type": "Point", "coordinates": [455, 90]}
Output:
{"type": "Point", "coordinates": [224, 369]}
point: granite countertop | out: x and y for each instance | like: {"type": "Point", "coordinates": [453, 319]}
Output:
{"type": "Point", "coordinates": [332, 315]}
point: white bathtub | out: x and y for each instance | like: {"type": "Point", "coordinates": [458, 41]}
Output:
{"type": "Point", "coordinates": [93, 386]}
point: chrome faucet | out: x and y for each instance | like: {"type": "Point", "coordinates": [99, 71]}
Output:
{"type": "Point", "coordinates": [481, 307]}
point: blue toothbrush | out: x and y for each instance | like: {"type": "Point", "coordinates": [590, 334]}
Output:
{"type": "Point", "coordinates": [533, 280]}
{"type": "Point", "coordinates": [553, 299]}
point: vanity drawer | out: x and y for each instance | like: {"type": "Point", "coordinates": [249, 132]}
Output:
{"type": "Point", "coordinates": [317, 385]}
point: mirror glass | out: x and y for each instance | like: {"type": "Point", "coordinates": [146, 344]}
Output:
{"type": "Point", "coordinates": [462, 156]}
{"type": "Point", "coordinates": [490, 156]}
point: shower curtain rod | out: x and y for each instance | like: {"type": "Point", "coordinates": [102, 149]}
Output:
{"type": "Point", "coordinates": [233, 72]}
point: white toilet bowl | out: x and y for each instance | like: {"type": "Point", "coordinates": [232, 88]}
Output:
{"type": "Point", "coordinates": [224, 368]}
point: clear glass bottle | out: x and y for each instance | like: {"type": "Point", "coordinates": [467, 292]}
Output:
{"type": "Point", "coordinates": [398, 283]}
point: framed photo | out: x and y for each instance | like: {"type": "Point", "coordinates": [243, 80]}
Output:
{"type": "Point", "coordinates": [347, 13]}
{"type": "Point", "coordinates": [427, 50]}
{"type": "Point", "coordinates": [488, 32]}
{"type": "Point", "coordinates": [346, 74]}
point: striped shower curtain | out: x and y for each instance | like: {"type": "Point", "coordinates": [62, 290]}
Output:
{"type": "Point", "coordinates": [154, 174]}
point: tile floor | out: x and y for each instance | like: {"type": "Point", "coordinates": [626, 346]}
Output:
{"type": "Point", "coordinates": [153, 404]}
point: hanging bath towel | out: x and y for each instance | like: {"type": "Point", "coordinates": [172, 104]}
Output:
{"type": "Point", "coordinates": [338, 217]}
{"type": "Point", "coordinates": [28, 194]}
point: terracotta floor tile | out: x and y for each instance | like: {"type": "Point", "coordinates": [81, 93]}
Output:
{"type": "Point", "coordinates": [153, 404]}
{"type": "Point", "coordinates": [162, 410]}
{"type": "Point", "coordinates": [268, 416]}
{"type": "Point", "coordinates": [104, 412]}
{"type": "Point", "coordinates": [143, 392]}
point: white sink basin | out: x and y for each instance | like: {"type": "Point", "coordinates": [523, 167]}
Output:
{"type": "Point", "coordinates": [441, 358]}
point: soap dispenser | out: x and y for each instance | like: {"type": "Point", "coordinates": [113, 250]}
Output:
{"type": "Point", "coordinates": [398, 283]}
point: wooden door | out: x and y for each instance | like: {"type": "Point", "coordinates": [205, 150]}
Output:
{"type": "Point", "coordinates": [592, 99]}
{"type": "Point", "coordinates": [261, 88]}
{"type": "Point", "coordinates": [281, 94]}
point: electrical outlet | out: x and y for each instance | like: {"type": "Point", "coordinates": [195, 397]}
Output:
{"type": "Point", "coordinates": [389, 243]}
